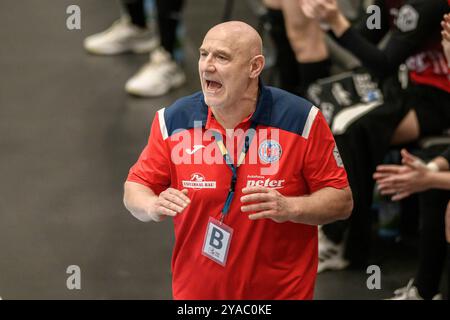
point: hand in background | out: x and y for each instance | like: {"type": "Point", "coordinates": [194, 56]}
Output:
{"type": "Point", "coordinates": [401, 181]}
{"type": "Point", "coordinates": [322, 10]}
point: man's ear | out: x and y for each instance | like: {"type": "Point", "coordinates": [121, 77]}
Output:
{"type": "Point", "coordinates": [256, 66]}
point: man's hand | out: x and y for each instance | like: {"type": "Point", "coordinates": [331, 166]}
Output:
{"type": "Point", "coordinates": [266, 203]}
{"type": "Point", "coordinates": [169, 203]}
{"type": "Point", "coordinates": [402, 180]}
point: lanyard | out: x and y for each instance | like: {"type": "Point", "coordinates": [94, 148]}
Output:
{"type": "Point", "coordinates": [219, 140]}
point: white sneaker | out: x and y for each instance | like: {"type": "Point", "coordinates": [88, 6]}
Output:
{"type": "Point", "coordinates": [121, 37]}
{"type": "Point", "coordinates": [410, 292]}
{"type": "Point", "coordinates": [157, 77]}
{"type": "Point", "coordinates": [331, 255]}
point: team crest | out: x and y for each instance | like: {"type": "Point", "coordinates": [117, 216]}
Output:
{"type": "Point", "coordinates": [269, 151]}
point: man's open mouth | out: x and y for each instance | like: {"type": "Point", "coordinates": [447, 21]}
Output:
{"type": "Point", "coordinates": [212, 85]}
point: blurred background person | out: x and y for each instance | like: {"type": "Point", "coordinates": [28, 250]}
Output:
{"type": "Point", "coordinates": [132, 34]}
{"type": "Point", "coordinates": [415, 176]}
{"type": "Point", "coordinates": [406, 114]}
{"type": "Point", "coordinates": [302, 54]}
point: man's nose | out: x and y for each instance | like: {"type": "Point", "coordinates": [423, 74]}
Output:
{"type": "Point", "coordinates": [209, 67]}
{"type": "Point", "coordinates": [208, 64]}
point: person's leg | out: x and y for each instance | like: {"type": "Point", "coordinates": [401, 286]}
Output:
{"type": "Point", "coordinates": [448, 270]}
{"type": "Point", "coordinates": [286, 62]}
{"type": "Point", "coordinates": [431, 107]}
{"type": "Point", "coordinates": [447, 237]}
{"type": "Point", "coordinates": [447, 225]}
{"type": "Point", "coordinates": [136, 11]}
{"type": "Point", "coordinates": [358, 156]}
{"type": "Point", "coordinates": [308, 42]}
{"type": "Point", "coordinates": [169, 16]}
{"type": "Point", "coordinates": [432, 244]}
{"type": "Point", "coordinates": [129, 34]}
{"type": "Point", "coordinates": [408, 130]}
{"type": "Point", "coordinates": [161, 74]}
{"type": "Point", "coordinates": [362, 147]}
{"type": "Point", "coordinates": [334, 252]}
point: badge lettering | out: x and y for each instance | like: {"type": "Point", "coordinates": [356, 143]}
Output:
{"type": "Point", "coordinates": [217, 241]}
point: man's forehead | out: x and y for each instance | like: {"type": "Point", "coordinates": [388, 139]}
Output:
{"type": "Point", "coordinates": [218, 44]}
{"type": "Point", "coordinates": [234, 36]}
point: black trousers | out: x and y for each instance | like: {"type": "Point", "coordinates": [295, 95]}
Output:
{"type": "Point", "coordinates": [432, 244]}
{"type": "Point", "coordinates": [169, 15]}
{"type": "Point", "coordinates": [448, 271]}
{"type": "Point", "coordinates": [286, 62]}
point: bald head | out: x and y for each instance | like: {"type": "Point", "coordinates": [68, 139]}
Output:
{"type": "Point", "coordinates": [243, 36]}
{"type": "Point", "coordinates": [229, 65]}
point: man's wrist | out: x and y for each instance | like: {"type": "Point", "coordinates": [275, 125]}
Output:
{"type": "Point", "coordinates": [151, 210]}
{"type": "Point", "coordinates": [296, 206]}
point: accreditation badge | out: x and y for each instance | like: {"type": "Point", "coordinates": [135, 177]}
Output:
{"type": "Point", "coordinates": [217, 241]}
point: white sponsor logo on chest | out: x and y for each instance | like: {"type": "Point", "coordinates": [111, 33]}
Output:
{"type": "Point", "coordinates": [261, 181]}
{"type": "Point", "coordinates": [198, 181]}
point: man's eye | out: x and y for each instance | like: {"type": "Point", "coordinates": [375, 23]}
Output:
{"type": "Point", "coordinates": [203, 54]}
{"type": "Point", "coordinates": [222, 57]}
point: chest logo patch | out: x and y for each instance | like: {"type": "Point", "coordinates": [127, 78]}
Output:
{"type": "Point", "coordinates": [269, 151]}
{"type": "Point", "coordinates": [198, 181]}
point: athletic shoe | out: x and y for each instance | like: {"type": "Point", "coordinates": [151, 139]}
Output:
{"type": "Point", "coordinates": [410, 292]}
{"type": "Point", "coordinates": [121, 37]}
{"type": "Point", "coordinates": [331, 255]}
{"type": "Point", "coordinates": [157, 77]}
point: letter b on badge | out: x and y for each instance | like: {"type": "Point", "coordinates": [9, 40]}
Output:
{"type": "Point", "coordinates": [216, 238]}
{"type": "Point", "coordinates": [217, 241]}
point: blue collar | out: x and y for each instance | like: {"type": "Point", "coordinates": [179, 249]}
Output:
{"type": "Point", "coordinates": [262, 112]}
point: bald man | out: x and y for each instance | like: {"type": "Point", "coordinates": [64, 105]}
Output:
{"type": "Point", "coordinates": [246, 172]}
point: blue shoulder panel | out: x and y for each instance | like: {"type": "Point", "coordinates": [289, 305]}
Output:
{"type": "Point", "coordinates": [185, 113]}
{"type": "Point", "coordinates": [281, 109]}
{"type": "Point", "coordinates": [275, 108]}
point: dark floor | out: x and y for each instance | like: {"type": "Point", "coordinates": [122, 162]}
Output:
{"type": "Point", "coordinates": [68, 134]}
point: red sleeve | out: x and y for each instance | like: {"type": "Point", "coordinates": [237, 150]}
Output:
{"type": "Point", "coordinates": [323, 165]}
{"type": "Point", "coordinates": [152, 169]}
